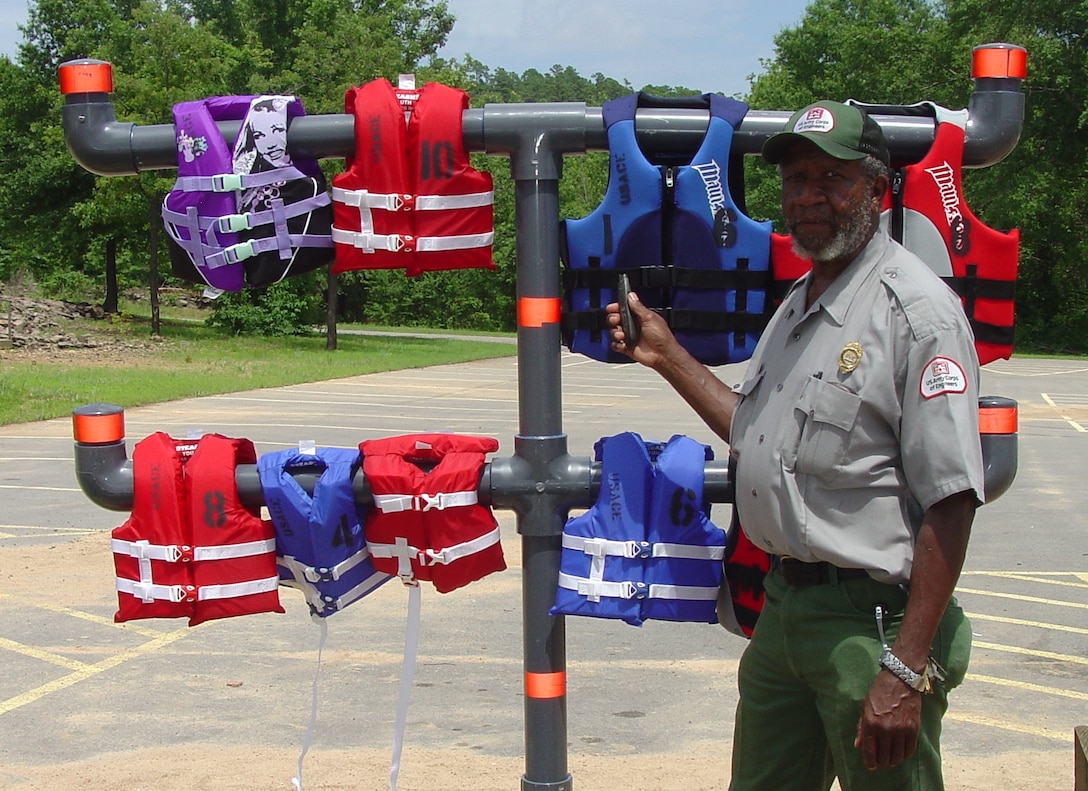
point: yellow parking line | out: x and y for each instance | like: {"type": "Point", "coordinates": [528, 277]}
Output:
{"type": "Point", "coordinates": [86, 616]}
{"type": "Point", "coordinates": [1045, 579]}
{"type": "Point", "coordinates": [45, 656]}
{"type": "Point", "coordinates": [41, 488]}
{"type": "Point", "coordinates": [1018, 597]}
{"type": "Point", "coordinates": [1066, 418]}
{"type": "Point", "coordinates": [1008, 682]}
{"type": "Point", "coordinates": [87, 671]}
{"type": "Point", "coordinates": [1057, 627]}
{"type": "Point", "coordinates": [1012, 649]}
{"type": "Point", "coordinates": [1006, 725]}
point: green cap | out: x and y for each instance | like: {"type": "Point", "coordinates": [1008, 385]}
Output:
{"type": "Point", "coordinates": [840, 130]}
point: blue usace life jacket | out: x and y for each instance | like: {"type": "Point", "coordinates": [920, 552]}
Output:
{"type": "Point", "coordinates": [676, 230]}
{"type": "Point", "coordinates": [320, 547]}
{"type": "Point", "coordinates": [647, 548]}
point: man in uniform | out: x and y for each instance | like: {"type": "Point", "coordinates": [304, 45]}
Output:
{"type": "Point", "coordinates": [859, 467]}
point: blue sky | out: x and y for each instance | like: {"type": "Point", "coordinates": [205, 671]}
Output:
{"type": "Point", "coordinates": [708, 45]}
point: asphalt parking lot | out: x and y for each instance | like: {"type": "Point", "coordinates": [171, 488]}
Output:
{"type": "Point", "coordinates": [76, 686]}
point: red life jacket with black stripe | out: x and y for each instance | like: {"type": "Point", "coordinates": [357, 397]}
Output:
{"type": "Point", "coordinates": [927, 213]}
{"type": "Point", "coordinates": [409, 198]}
{"type": "Point", "coordinates": [190, 549]}
{"type": "Point", "coordinates": [427, 522]}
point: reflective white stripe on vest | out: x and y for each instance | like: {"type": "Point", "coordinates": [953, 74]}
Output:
{"type": "Point", "coordinates": [462, 550]}
{"type": "Point", "coordinates": [437, 244]}
{"type": "Point", "coordinates": [369, 242]}
{"type": "Point", "coordinates": [359, 591]}
{"type": "Point", "coordinates": [148, 592]}
{"type": "Point", "coordinates": [396, 503]}
{"type": "Point", "coordinates": [472, 200]}
{"type": "Point", "coordinates": [230, 551]}
{"type": "Point", "coordinates": [235, 589]}
{"type": "Point", "coordinates": [172, 553]}
{"type": "Point", "coordinates": [144, 550]}
{"type": "Point", "coordinates": [594, 590]}
{"type": "Point", "coordinates": [599, 547]}
{"type": "Point", "coordinates": [359, 199]}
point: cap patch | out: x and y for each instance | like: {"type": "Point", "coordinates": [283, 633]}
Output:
{"type": "Point", "coordinates": [942, 375]}
{"type": "Point", "coordinates": [818, 119]}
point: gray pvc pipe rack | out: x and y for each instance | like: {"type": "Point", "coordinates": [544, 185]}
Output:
{"type": "Point", "coordinates": [541, 482]}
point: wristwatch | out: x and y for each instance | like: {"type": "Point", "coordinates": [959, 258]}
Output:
{"type": "Point", "coordinates": [916, 681]}
{"type": "Point", "coordinates": [920, 682]}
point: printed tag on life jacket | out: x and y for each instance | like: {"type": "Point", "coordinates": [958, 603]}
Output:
{"type": "Point", "coordinates": [942, 375]}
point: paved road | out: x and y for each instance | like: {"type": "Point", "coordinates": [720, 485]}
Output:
{"type": "Point", "coordinates": [70, 675]}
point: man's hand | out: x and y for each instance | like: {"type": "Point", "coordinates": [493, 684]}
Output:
{"type": "Point", "coordinates": [656, 340]}
{"type": "Point", "coordinates": [891, 717]}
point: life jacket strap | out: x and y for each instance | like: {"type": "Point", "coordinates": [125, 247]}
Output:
{"type": "Point", "coordinates": [235, 590]}
{"type": "Point", "coordinates": [234, 182]}
{"type": "Point", "coordinates": [369, 242]}
{"type": "Point", "coordinates": [436, 244]}
{"type": "Point", "coordinates": [230, 551]}
{"type": "Point", "coordinates": [595, 590]}
{"type": "Point", "coordinates": [396, 503]}
{"type": "Point", "coordinates": [364, 199]}
{"type": "Point", "coordinates": [148, 592]}
{"type": "Point", "coordinates": [144, 550]}
{"type": "Point", "coordinates": [641, 549]}
{"type": "Point", "coordinates": [462, 550]}
{"type": "Point", "coordinates": [472, 200]}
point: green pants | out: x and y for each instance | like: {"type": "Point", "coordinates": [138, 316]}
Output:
{"type": "Point", "coordinates": [804, 675]}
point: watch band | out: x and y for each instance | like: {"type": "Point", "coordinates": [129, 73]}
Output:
{"type": "Point", "coordinates": [916, 681]}
{"type": "Point", "coordinates": [920, 682]}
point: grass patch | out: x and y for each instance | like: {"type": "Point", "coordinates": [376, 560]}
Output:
{"type": "Point", "coordinates": [197, 361]}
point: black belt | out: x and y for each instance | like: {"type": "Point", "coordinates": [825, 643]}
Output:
{"type": "Point", "coordinates": [797, 572]}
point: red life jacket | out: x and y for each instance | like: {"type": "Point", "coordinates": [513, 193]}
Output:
{"type": "Point", "coordinates": [426, 523]}
{"type": "Point", "coordinates": [409, 198]}
{"type": "Point", "coordinates": [927, 213]}
{"type": "Point", "coordinates": [190, 548]}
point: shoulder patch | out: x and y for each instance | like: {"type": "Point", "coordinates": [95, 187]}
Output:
{"type": "Point", "coordinates": [942, 375]}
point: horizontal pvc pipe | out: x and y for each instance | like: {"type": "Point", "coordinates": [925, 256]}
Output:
{"type": "Point", "coordinates": [103, 145]}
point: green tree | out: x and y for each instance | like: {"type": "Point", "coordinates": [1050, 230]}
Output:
{"type": "Point", "coordinates": [923, 52]}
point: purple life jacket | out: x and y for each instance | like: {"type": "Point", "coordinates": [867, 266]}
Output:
{"type": "Point", "coordinates": [252, 216]}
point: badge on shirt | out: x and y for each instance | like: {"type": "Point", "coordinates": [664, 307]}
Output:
{"type": "Point", "coordinates": [942, 375]}
{"type": "Point", "coordinates": [849, 357]}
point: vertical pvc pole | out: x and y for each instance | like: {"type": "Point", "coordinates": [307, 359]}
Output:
{"type": "Point", "coordinates": [540, 440]}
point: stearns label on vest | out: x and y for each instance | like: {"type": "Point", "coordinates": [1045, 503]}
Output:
{"type": "Point", "coordinates": [942, 375]}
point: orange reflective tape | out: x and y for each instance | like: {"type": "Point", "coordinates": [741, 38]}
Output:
{"type": "Point", "coordinates": [538, 311]}
{"type": "Point", "coordinates": [1005, 60]}
{"type": "Point", "coordinates": [997, 420]}
{"type": "Point", "coordinates": [98, 429]}
{"type": "Point", "coordinates": [545, 685]}
{"type": "Point", "coordinates": [85, 76]}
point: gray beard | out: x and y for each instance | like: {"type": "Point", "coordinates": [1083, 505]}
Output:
{"type": "Point", "coordinates": [850, 237]}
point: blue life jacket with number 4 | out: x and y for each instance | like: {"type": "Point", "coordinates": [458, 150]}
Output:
{"type": "Point", "coordinates": [320, 547]}
{"type": "Point", "coordinates": [673, 226]}
{"type": "Point", "coordinates": [647, 548]}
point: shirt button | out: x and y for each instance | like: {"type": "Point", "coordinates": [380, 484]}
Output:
{"type": "Point", "coordinates": [754, 493]}
{"type": "Point", "coordinates": [761, 439]}
{"type": "Point", "coordinates": [797, 336]}
{"type": "Point", "coordinates": [778, 389]}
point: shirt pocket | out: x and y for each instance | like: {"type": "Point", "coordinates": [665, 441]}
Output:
{"type": "Point", "coordinates": [828, 412]}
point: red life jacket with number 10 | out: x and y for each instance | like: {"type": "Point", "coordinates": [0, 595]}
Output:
{"type": "Point", "coordinates": [409, 198]}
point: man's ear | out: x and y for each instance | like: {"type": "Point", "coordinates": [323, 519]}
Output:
{"type": "Point", "coordinates": [880, 189]}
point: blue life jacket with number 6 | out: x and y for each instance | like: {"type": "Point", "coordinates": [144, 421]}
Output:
{"type": "Point", "coordinates": [673, 226]}
{"type": "Point", "coordinates": [320, 547]}
{"type": "Point", "coordinates": [647, 548]}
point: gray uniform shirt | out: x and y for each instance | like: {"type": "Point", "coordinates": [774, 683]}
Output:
{"type": "Point", "coordinates": [858, 414]}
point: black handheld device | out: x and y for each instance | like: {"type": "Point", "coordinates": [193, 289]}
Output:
{"type": "Point", "coordinates": [627, 319]}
